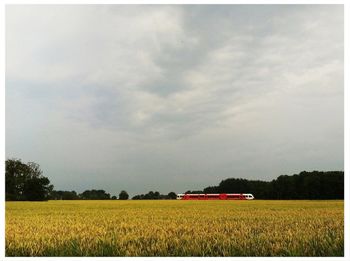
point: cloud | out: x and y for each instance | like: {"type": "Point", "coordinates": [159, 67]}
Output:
{"type": "Point", "coordinates": [119, 94]}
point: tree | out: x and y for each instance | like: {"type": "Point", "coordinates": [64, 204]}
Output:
{"type": "Point", "coordinates": [172, 195]}
{"type": "Point", "coordinates": [95, 194]}
{"type": "Point", "coordinates": [156, 195]}
{"type": "Point", "coordinates": [25, 181]}
{"type": "Point", "coordinates": [63, 195]}
{"type": "Point", "coordinates": [123, 195]}
{"type": "Point", "coordinates": [113, 197]}
{"type": "Point", "coordinates": [305, 185]}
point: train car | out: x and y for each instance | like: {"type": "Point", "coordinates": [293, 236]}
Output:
{"type": "Point", "coordinates": [221, 196]}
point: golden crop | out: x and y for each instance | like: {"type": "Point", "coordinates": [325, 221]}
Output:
{"type": "Point", "coordinates": [175, 228]}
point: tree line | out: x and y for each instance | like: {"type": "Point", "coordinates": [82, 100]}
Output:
{"type": "Point", "coordinates": [25, 181]}
{"type": "Point", "coordinates": [155, 195]}
{"type": "Point", "coordinates": [305, 185]}
{"type": "Point", "coordinates": [93, 194]}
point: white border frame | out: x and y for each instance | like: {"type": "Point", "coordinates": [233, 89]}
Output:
{"type": "Point", "coordinates": [346, 132]}
{"type": "Point", "coordinates": [2, 130]}
{"type": "Point", "coordinates": [346, 121]}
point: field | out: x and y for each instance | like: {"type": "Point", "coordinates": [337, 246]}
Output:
{"type": "Point", "coordinates": [175, 228]}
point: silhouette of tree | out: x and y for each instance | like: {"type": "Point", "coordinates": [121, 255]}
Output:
{"type": "Point", "coordinates": [123, 195]}
{"type": "Point", "coordinates": [25, 181]}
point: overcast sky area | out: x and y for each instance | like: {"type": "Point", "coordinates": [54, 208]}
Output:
{"type": "Point", "coordinates": [172, 98]}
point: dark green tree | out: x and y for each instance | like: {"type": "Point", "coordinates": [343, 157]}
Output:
{"type": "Point", "coordinates": [95, 194]}
{"type": "Point", "coordinates": [123, 195]}
{"type": "Point", "coordinates": [171, 195]}
{"type": "Point", "coordinates": [25, 181]}
{"type": "Point", "coordinates": [63, 195]}
{"type": "Point", "coordinates": [156, 195]}
{"type": "Point", "coordinates": [305, 185]}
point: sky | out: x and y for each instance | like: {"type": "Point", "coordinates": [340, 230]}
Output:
{"type": "Point", "coordinates": [174, 97]}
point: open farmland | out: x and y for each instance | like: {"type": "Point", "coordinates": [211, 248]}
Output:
{"type": "Point", "coordinates": [175, 228]}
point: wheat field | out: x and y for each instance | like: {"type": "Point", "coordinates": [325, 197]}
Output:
{"type": "Point", "coordinates": [175, 228]}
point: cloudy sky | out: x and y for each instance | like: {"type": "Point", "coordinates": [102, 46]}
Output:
{"type": "Point", "coordinates": [172, 98]}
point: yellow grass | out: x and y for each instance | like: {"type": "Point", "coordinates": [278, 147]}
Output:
{"type": "Point", "coordinates": [175, 228]}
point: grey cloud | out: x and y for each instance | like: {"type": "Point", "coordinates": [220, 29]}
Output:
{"type": "Point", "coordinates": [123, 96]}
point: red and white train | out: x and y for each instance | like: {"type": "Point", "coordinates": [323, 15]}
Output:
{"type": "Point", "coordinates": [222, 196]}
